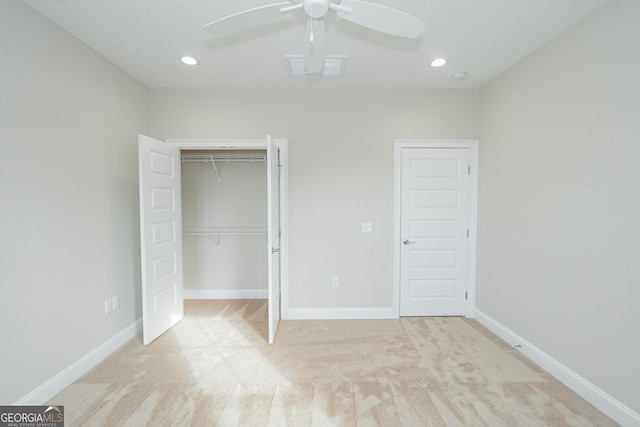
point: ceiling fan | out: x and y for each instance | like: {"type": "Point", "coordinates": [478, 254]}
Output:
{"type": "Point", "coordinates": [369, 15]}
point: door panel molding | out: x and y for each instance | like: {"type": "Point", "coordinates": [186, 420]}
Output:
{"type": "Point", "coordinates": [398, 146]}
{"type": "Point", "coordinates": [160, 243]}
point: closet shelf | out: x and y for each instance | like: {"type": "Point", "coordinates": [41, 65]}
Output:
{"type": "Point", "coordinates": [222, 158]}
{"type": "Point", "coordinates": [227, 158]}
{"type": "Point", "coordinates": [224, 231]}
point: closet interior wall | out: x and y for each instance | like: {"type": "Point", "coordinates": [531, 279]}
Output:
{"type": "Point", "coordinates": [224, 216]}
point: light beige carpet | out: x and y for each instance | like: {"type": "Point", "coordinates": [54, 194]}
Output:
{"type": "Point", "coordinates": [215, 369]}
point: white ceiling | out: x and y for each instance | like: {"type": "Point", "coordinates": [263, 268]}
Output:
{"type": "Point", "coordinates": [146, 38]}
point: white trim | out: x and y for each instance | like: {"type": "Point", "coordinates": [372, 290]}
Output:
{"type": "Point", "coordinates": [77, 369]}
{"type": "Point", "coordinates": [225, 294]}
{"type": "Point", "coordinates": [472, 145]}
{"type": "Point", "coordinates": [340, 313]}
{"type": "Point", "coordinates": [611, 407]}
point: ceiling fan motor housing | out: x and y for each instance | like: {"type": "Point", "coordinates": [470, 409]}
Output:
{"type": "Point", "coordinates": [316, 8]}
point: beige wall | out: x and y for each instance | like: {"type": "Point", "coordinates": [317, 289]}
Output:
{"type": "Point", "coordinates": [68, 180]}
{"type": "Point", "coordinates": [340, 170]}
{"type": "Point", "coordinates": [237, 199]}
{"type": "Point", "coordinates": [559, 202]}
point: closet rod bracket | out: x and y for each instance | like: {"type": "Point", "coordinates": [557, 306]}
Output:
{"type": "Point", "coordinates": [213, 162]}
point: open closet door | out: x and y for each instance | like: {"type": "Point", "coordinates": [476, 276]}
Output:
{"type": "Point", "coordinates": [160, 236]}
{"type": "Point", "coordinates": [273, 236]}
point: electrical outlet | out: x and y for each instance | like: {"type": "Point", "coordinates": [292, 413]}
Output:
{"type": "Point", "coordinates": [115, 302]}
{"type": "Point", "coordinates": [108, 306]}
{"type": "Point", "coordinates": [335, 281]}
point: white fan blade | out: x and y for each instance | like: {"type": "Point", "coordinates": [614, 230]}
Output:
{"type": "Point", "coordinates": [247, 18]}
{"type": "Point", "coordinates": [381, 18]}
{"type": "Point", "coordinates": [316, 46]}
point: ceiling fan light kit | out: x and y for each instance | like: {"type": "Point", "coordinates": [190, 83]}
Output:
{"type": "Point", "coordinates": [316, 8]}
{"type": "Point", "coordinates": [373, 16]}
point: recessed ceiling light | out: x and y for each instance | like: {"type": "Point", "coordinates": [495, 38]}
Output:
{"type": "Point", "coordinates": [188, 60]}
{"type": "Point", "coordinates": [438, 62]}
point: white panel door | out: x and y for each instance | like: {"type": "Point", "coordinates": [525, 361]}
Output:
{"type": "Point", "coordinates": [434, 222]}
{"type": "Point", "coordinates": [273, 236]}
{"type": "Point", "coordinates": [160, 236]}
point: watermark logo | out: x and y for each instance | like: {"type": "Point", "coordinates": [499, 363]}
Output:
{"type": "Point", "coordinates": [32, 416]}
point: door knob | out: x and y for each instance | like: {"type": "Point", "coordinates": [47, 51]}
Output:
{"type": "Point", "coordinates": [407, 242]}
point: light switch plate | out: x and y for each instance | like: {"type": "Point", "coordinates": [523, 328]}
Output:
{"type": "Point", "coordinates": [367, 227]}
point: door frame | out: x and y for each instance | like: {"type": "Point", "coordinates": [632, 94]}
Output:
{"type": "Point", "coordinates": [258, 144]}
{"type": "Point", "coordinates": [398, 146]}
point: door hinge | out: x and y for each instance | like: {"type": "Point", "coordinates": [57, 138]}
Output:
{"type": "Point", "coordinates": [469, 170]}
{"type": "Point", "coordinates": [466, 295]}
{"type": "Point", "coordinates": [467, 233]}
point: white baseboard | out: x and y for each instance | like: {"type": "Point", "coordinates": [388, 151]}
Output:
{"type": "Point", "coordinates": [59, 382]}
{"type": "Point", "coordinates": [614, 409]}
{"type": "Point", "coordinates": [339, 313]}
{"type": "Point", "coordinates": [225, 293]}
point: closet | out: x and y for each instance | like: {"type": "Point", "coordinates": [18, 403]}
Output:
{"type": "Point", "coordinates": [224, 224]}
{"type": "Point", "coordinates": [233, 243]}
